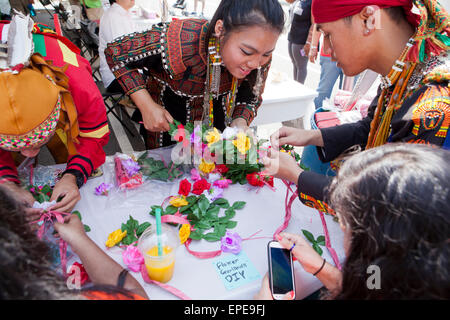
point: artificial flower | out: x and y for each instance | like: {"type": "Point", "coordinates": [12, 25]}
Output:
{"type": "Point", "coordinates": [133, 258]}
{"type": "Point", "coordinates": [212, 136]}
{"type": "Point", "coordinates": [131, 167]}
{"type": "Point", "coordinates": [103, 189]}
{"type": "Point", "coordinates": [229, 133]}
{"type": "Point", "coordinates": [195, 176]}
{"type": "Point", "coordinates": [84, 277]}
{"type": "Point", "coordinates": [258, 179]}
{"type": "Point", "coordinates": [185, 187]}
{"type": "Point", "coordinates": [115, 237]}
{"type": "Point", "coordinates": [184, 233]}
{"type": "Point", "coordinates": [200, 186]}
{"type": "Point", "coordinates": [222, 183]}
{"type": "Point", "coordinates": [213, 177]}
{"type": "Point", "coordinates": [178, 201]}
{"type": "Point", "coordinates": [213, 194]}
{"type": "Point", "coordinates": [221, 168]}
{"type": "Point", "coordinates": [180, 135]}
{"type": "Point", "coordinates": [242, 142]}
{"type": "Point", "coordinates": [206, 167]}
{"type": "Point", "coordinates": [231, 242]}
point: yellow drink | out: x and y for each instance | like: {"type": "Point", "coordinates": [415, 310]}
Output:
{"type": "Point", "coordinates": [160, 268]}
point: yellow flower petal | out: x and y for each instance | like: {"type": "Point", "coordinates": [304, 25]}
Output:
{"type": "Point", "coordinates": [212, 137]}
{"type": "Point", "coordinates": [178, 201]}
{"type": "Point", "coordinates": [115, 237]}
{"type": "Point", "coordinates": [206, 167]}
{"type": "Point", "coordinates": [242, 142]}
{"type": "Point", "coordinates": [184, 233]}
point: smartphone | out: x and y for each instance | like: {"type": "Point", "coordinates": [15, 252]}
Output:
{"type": "Point", "coordinates": [281, 270]}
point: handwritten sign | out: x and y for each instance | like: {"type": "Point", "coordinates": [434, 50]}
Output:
{"type": "Point", "coordinates": [235, 270]}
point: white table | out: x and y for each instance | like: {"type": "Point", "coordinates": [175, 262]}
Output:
{"type": "Point", "coordinates": [284, 101]}
{"type": "Point", "coordinates": [197, 278]}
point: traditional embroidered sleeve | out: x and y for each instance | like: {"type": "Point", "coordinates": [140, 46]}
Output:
{"type": "Point", "coordinates": [123, 53]}
{"type": "Point", "coordinates": [311, 190]}
{"type": "Point", "coordinates": [247, 103]}
{"type": "Point", "coordinates": [8, 170]}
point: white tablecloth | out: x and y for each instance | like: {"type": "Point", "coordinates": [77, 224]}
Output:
{"type": "Point", "coordinates": [197, 278]}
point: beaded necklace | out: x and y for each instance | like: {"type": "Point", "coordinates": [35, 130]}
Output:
{"type": "Point", "coordinates": [213, 85]}
{"type": "Point", "coordinates": [390, 102]}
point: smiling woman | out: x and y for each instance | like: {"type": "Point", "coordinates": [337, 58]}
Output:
{"type": "Point", "coordinates": [198, 70]}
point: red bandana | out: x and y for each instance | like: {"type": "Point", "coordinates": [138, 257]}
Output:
{"type": "Point", "coordinates": [332, 10]}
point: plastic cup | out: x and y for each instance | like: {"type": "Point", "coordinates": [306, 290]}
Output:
{"type": "Point", "coordinates": [159, 268]}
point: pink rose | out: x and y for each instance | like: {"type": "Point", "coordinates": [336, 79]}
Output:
{"type": "Point", "coordinates": [133, 258]}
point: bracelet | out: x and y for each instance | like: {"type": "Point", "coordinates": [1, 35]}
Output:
{"type": "Point", "coordinates": [320, 269]}
{"type": "Point", "coordinates": [121, 278]}
{"type": "Point", "coordinates": [313, 47]}
{"type": "Point", "coordinates": [308, 42]}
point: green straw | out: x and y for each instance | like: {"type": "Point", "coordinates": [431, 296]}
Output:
{"type": "Point", "coordinates": [158, 231]}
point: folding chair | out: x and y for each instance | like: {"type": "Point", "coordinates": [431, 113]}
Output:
{"type": "Point", "coordinates": [112, 100]}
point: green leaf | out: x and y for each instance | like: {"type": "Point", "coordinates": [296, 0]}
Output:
{"type": "Point", "coordinates": [221, 202]}
{"type": "Point", "coordinates": [205, 225]}
{"type": "Point", "coordinates": [196, 212]}
{"type": "Point", "coordinates": [230, 213]}
{"type": "Point", "coordinates": [196, 235]}
{"type": "Point", "coordinates": [309, 236]}
{"type": "Point", "coordinates": [129, 239]}
{"type": "Point", "coordinates": [238, 205]}
{"type": "Point", "coordinates": [220, 230]}
{"type": "Point", "coordinates": [211, 237]}
{"type": "Point", "coordinates": [231, 224]}
{"type": "Point", "coordinates": [212, 213]}
{"type": "Point", "coordinates": [171, 210]}
{"type": "Point", "coordinates": [132, 225]}
{"type": "Point", "coordinates": [140, 230]}
{"type": "Point", "coordinates": [320, 240]}
{"type": "Point", "coordinates": [77, 213]}
{"type": "Point", "coordinates": [203, 205]}
{"type": "Point", "coordinates": [86, 228]}
{"type": "Point", "coordinates": [317, 248]}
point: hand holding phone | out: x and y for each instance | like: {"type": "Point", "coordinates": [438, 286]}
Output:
{"type": "Point", "coordinates": [281, 270]}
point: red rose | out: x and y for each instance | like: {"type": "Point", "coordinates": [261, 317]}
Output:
{"type": "Point", "coordinates": [200, 186]}
{"type": "Point", "coordinates": [269, 180]}
{"type": "Point", "coordinates": [84, 277]}
{"type": "Point", "coordinates": [254, 179]}
{"type": "Point", "coordinates": [221, 168]}
{"type": "Point", "coordinates": [185, 187]}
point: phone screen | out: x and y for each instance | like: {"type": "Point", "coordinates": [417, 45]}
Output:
{"type": "Point", "coordinates": [281, 271]}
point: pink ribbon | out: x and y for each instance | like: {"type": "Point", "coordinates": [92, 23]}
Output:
{"type": "Point", "coordinates": [328, 242]}
{"type": "Point", "coordinates": [288, 208]}
{"type": "Point", "coordinates": [166, 287]}
{"type": "Point", "coordinates": [50, 216]}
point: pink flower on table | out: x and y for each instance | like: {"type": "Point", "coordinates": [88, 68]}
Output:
{"type": "Point", "coordinates": [103, 189]}
{"type": "Point", "coordinates": [231, 242]}
{"type": "Point", "coordinates": [133, 258]}
{"type": "Point", "coordinates": [213, 194]}
{"type": "Point", "coordinates": [195, 176]}
{"type": "Point", "coordinates": [222, 183]}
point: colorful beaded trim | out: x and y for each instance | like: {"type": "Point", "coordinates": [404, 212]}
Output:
{"type": "Point", "coordinates": [34, 137]}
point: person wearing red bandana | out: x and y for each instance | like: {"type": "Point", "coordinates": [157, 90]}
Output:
{"type": "Point", "coordinates": [411, 53]}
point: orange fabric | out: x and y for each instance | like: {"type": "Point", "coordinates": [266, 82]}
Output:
{"type": "Point", "coordinates": [100, 295]}
{"type": "Point", "coordinates": [28, 101]}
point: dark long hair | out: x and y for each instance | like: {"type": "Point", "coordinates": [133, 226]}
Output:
{"type": "Point", "coordinates": [25, 267]}
{"type": "Point", "coordinates": [237, 14]}
{"type": "Point", "coordinates": [395, 200]}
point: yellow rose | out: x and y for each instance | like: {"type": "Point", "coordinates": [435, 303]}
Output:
{"type": "Point", "coordinates": [212, 137]}
{"type": "Point", "coordinates": [242, 142]}
{"type": "Point", "coordinates": [206, 167]}
{"type": "Point", "coordinates": [179, 201]}
{"type": "Point", "coordinates": [115, 237]}
{"type": "Point", "coordinates": [185, 232]}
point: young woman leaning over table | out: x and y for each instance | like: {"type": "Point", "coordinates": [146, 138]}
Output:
{"type": "Point", "coordinates": [393, 207]}
{"type": "Point", "coordinates": [26, 272]}
{"type": "Point", "coordinates": [194, 70]}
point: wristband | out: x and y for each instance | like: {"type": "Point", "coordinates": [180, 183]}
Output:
{"type": "Point", "coordinates": [313, 47]}
{"type": "Point", "coordinates": [320, 269]}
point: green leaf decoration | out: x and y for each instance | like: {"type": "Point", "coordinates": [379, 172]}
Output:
{"type": "Point", "coordinates": [211, 237]}
{"type": "Point", "coordinates": [196, 235]}
{"type": "Point", "coordinates": [231, 224]}
{"type": "Point", "coordinates": [308, 235]}
{"type": "Point", "coordinates": [171, 210]}
{"type": "Point", "coordinates": [140, 230]}
{"type": "Point", "coordinates": [317, 248]}
{"type": "Point", "coordinates": [77, 213]}
{"type": "Point", "coordinates": [221, 202]}
{"type": "Point", "coordinates": [230, 213]}
{"type": "Point", "coordinates": [203, 205]}
{"type": "Point", "coordinates": [86, 228]}
{"type": "Point", "coordinates": [238, 205]}
{"type": "Point", "coordinates": [321, 240]}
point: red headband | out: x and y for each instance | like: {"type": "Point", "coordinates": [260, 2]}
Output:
{"type": "Point", "coordinates": [332, 10]}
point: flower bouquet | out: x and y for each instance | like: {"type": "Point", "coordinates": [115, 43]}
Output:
{"type": "Point", "coordinates": [128, 174]}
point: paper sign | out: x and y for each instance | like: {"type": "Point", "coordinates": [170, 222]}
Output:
{"type": "Point", "coordinates": [235, 270]}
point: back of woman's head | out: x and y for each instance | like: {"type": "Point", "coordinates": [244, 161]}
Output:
{"type": "Point", "coordinates": [238, 14]}
{"type": "Point", "coordinates": [25, 270]}
{"type": "Point", "coordinates": [395, 202]}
